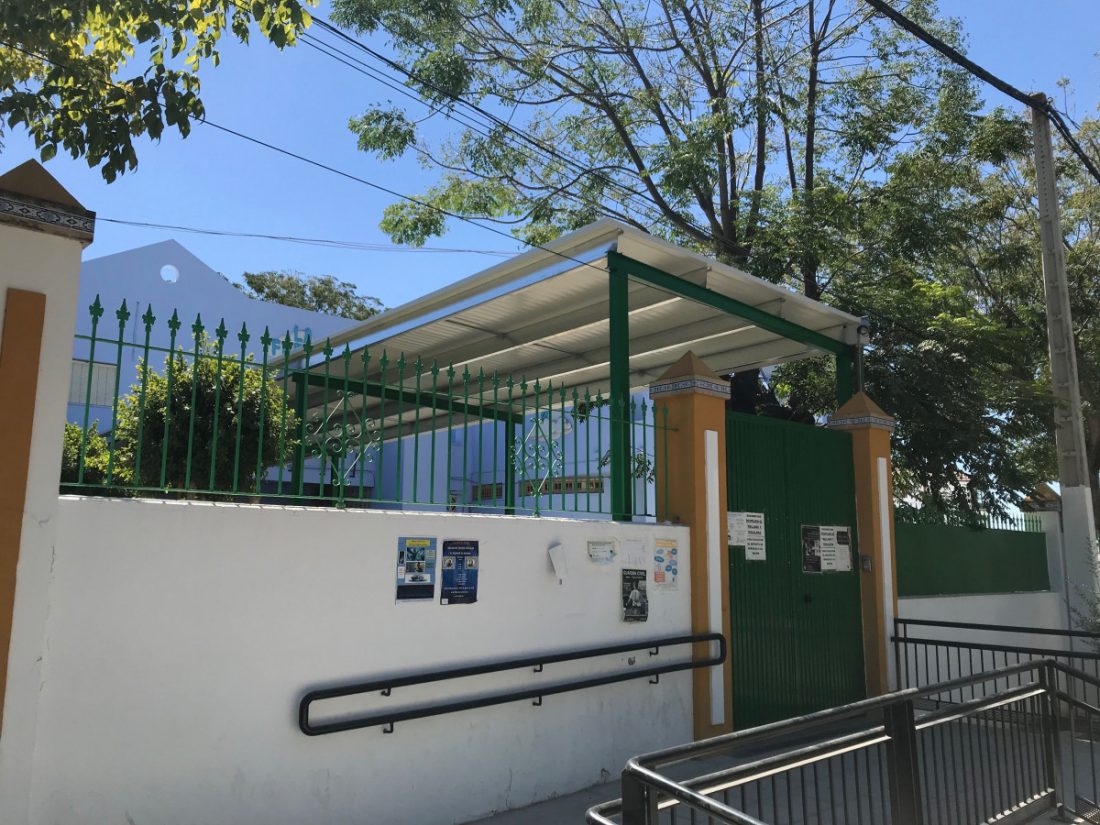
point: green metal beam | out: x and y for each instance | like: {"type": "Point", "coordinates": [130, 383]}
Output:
{"type": "Point", "coordinates": [619, 335]}
{"type": "Point", "coordinates": [694, 292]}
{"type": "Point", "coordinates": [845, 375]}
{"type": "Point", "coordinates": [425, 399]}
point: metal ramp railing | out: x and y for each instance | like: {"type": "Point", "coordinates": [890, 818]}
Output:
{"type": "Point", "coordinates": [1004, 746]}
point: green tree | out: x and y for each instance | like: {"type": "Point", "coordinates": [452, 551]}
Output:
{"type": "Point", "coordinates": [90, 77]}
{"type": "Point", "coordinates": [322, 293]}
{"type": "Point", "coordinates": [806, 141]}
{"type": "Point", "coordinates": [998, 262]}
{"type": "Point", "coordinates": [213, 424]}
{"type": "Point", "coordinates": [96, 451]}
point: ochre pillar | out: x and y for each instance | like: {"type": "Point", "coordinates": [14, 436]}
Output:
{"type": "Point", "coordinates": [20, 343]}
{"type": "Point", "coordinates": [871, 428]}
{"type": "Point", "coordinates": [691, 490]}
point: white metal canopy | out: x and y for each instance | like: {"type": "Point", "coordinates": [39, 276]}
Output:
{"type": "Point", "coordinates": [544, 314]}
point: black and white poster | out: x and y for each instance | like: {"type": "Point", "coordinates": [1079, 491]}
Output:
{"type": "Point", "coordinates": [826, 548]}
{"type": "Point", "coordinates": [811, 548]}
{"type": "Point", "coordinates": [634, 595]}
{"type": "Point", "coordinates": [836, 549]}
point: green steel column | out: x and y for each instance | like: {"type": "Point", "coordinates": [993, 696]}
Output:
{"type": "Point", "coordinates": [298, 468]}
{"type": "Point", "coordinates": [509, 466]}
{"type": "Point", "coordinates": [845, 375]}
{"type": "Point", "coordinates": [619, 334]}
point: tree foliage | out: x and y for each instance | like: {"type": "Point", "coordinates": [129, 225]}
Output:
{"type": "Point", "coordinates": [212, 423]}
{"type": "Point", "coordinates": [90, 77]}
{"type": "Point", "coordinates": [806, 141]}
{"type": "Point", "coordinates": [322, 293]}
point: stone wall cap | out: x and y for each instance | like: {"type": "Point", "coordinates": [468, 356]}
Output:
{"type": "Point", "coordinates": [31, 180]}
{"type": "Point", "coordinates": [32, 198]}
{"type": "Point", "coordinates": [689, 365]}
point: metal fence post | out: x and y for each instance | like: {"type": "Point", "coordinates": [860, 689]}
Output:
{"type": "Point", "coordinates": [639, 801]}
{"type": "Point", "coordinates": [1051, 722]}
{"type": "Point", "coordinates": [902, 764]}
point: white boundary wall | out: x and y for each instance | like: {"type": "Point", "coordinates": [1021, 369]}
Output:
{"type": "Point", "coordinates": [181, 636]}
{"type": "Point", "coordinates": [1046, 610]}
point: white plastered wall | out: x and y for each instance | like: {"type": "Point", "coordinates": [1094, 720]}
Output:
{"type": "Point", "coordinates": [182, 635]}
{"type": "Point", "coordinates": [49, 264]}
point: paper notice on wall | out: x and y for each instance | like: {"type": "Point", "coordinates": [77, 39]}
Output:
{"type": "Point", "coordinates": [636, 553]}
{"type": "Point", "coordinates": [458, 579]}
{"type": "Point", "coordinates": [666, 564]}
{"type": "Point", "coordinates": [415, 569]}
{"type": "Point", "coordinates": [602, 551]}
{"type": "Point", "coordinates": [836, 548]}
{"type": "Point", "coordinates": [811, 548]}
{"type": "Point", "coordinates": [747, 530]}
{"type": "Point", "coordinates": [634, 596]}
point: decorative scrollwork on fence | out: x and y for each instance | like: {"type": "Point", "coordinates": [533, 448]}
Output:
{"type": "Point", "coordinates": [343, 436]}
{"type": "Point", "coordinates": [541, 454]}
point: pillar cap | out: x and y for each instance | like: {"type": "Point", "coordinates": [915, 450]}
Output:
{"type": "Point", "coordinates": [690, 374]}
{"type": "Point", "coordinates": [860, 412]}
{"type": "Point", "coordinates": [32, 198]}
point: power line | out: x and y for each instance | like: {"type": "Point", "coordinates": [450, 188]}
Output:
{"type": "Point", "coordinates": [576, 165]}
{"type": "Point", "coordinates": [324, 242]}
{"type": "Point", "coordinates": [320, 165]}
{"type": "Point", "coordinates": [637, 199]}
{"type": "Point", "coordinates": [1039, 102]}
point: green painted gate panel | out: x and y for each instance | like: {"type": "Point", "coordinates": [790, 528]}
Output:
{"type": "Point", "coordinates": [796, 638]}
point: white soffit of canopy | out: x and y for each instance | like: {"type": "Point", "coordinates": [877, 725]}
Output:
{"type": "Point", "coordinates": [544, 314]}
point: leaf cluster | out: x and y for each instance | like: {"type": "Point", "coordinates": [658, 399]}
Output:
{"type": "Point", "coordinates": [321, 293]}
{"type": "Point", "coordinates": [90, 77]}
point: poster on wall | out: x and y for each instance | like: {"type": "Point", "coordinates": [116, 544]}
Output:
{"type": "Point", "coordinates": [602, 551]}
{"type": "Point", "coordinates": [826, 548]}
{"type": "Point", "coordinates": [666, 564]}
{"type": "Point", "coordinates": [415, 568]}
{"type": "Point", "coordinates": [635, 598]}
{"type": "Point", "coordinates": [811, 548]}
{"type": "Point", "coordinates": [458, 576]}
{"type": "Point", "coordinates": [836, 548]}
{"type": "Point", "coordinates": [747, 530]}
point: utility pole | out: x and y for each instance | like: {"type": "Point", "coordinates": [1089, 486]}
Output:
{"type": "Point", "coordinates": [1078, 526]}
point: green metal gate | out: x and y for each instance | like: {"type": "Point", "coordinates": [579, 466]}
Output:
{"type": "Point", "coordinates": [796, 637]}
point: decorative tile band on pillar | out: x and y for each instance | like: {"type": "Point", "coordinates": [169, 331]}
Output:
{"type": "Point", "coordinates": [870, 428]}
{"type": "Point", "coordinates": [691, 471]}
{"type": "Point", "coordinates": [50, 209]}
{"type": "Point", "coordinates": [691, 383]}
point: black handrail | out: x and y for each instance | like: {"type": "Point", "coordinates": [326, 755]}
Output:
{"type": "Point", "coordinates": [999, 628]}
{"type": "Point", "coordinates": [386, 685]}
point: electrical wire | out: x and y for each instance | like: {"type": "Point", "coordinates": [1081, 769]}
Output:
{"type": "Point", "coordinates": [1039, 102]}
{"type": "Point", "coordinates": [332, 169]}
{"type": "Point", "coordinates": [325, 242]}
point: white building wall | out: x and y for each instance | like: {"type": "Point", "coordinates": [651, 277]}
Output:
{"type": "Point", "coordinates": [182, 635]}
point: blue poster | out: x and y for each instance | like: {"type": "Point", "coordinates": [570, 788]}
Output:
{"type": "Point", "coordinates": [459, 579]}
{"type": "Point", "coordinates": [415, 568]}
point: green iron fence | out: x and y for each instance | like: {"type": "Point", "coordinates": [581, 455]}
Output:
{"type": "Point", "coordinates": [1019, 522]}
{"type": "Point", "coordinates": [209, 413]}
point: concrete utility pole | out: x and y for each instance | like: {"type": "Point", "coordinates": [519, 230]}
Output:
{"type": "Point", "coordinates": [1078, 526]}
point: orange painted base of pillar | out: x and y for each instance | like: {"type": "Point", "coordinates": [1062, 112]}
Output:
{"type": "Point", "coordinates": [20, 347]}
{"type": "Point", "coordinates": [695, 400]}
{"type": "Point", "coordinates": [870, 428]}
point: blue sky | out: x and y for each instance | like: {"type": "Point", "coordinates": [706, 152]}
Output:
{"type": "Point", "coordinates": [302, 100]}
